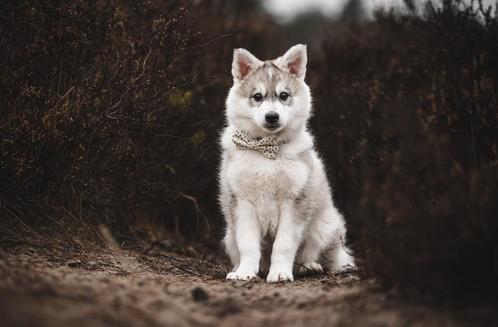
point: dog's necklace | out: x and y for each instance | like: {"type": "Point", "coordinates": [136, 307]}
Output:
{"type": "Point", "coordinates": [267, 145]}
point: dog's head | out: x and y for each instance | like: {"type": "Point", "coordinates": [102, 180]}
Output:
{"type": "Point", "coordinates": [269, 97]}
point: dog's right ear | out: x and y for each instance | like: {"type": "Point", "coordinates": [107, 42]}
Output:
{"type": "Point", "coordinates": [243, 63]}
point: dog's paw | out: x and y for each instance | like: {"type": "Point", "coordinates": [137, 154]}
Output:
{"type": "Point", "coordinates": [241, 275]}
{"type": "Point", "coordinates": [310, 268]}
{"type": "Point", "coordinates": [277, 275]}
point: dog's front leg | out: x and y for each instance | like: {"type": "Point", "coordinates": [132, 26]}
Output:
{"type": "Point", "coordinates": [248, 240]}
{"type": "Point", "coordinates": [287, 240]}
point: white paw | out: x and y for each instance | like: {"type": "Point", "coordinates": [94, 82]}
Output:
{"type": "Point", "coordinates": [310, 268]}
{"type": "Point", "coordinates": [277, 275]}
{"type": "Point", "coordinates": [241, 274]}
{"type": "Point", "coordinates": [343, 261]}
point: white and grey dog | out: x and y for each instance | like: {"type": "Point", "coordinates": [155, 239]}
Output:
{"type": "Point", "coordinates": [272, 183]}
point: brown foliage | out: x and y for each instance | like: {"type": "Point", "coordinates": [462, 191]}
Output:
{"type": "Point", "coordinates": [407, 119]}
{"type": "Point", "coordinates": [112, 110]}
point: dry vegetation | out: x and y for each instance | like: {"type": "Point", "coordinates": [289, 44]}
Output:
{"type": "Point", "coordinates": [407, 118]}
{"type": "Point", "coordinates": [111, 110]}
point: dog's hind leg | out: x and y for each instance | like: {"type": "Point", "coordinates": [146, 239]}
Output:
{"type": "Point", "coordinates": [326, 235]}
{"type": "Point", "coordinates": [336, 255]}
{"type": "Point", "coordinates": [339, 258]}
{"type": "Point", "coordinates": [307, 261]}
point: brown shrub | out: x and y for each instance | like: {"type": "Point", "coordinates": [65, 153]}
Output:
{"type": "Point", "coordinates": [112, 110]}
{"type": "Point", "coordinates": [407, 119]}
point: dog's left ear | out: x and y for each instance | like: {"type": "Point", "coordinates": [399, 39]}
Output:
{"type": "Point", "coordinates": [294, 60]}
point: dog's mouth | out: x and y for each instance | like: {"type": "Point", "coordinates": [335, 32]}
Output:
{"type": "Point", "coordinates": [272, 127]}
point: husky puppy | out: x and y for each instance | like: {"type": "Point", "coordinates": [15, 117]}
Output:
{"type": "Point", "coordinates": [272, 182]}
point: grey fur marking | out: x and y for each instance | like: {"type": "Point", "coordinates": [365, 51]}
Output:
{"type": "Point", "coordinates": [269, 75]}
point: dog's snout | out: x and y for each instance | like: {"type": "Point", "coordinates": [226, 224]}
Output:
{"type": "Point", "coordinates": [271, 117]}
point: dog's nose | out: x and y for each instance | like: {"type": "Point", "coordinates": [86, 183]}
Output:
{"type": "Point", "coordinates": [271, 117]}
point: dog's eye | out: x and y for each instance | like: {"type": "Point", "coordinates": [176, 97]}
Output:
{"type": "Point", "coordinates": [283, 96]}
{"type": "Point", "coordinates": [258, 97]}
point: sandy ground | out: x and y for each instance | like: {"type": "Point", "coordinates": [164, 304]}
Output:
{"type": "Point", "coordinates": [55, 286]}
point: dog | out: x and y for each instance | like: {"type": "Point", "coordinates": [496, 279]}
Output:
{"type": "Point", "coordinates": [272, 182]}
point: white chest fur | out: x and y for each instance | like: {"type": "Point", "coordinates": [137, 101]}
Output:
{"type": "Point", "coordinates": [253, 177]}
{"type": "Point", "coordinates": [266, 183]}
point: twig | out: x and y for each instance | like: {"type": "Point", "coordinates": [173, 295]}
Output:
{"type": "Point", "coordinates": [199, 211]}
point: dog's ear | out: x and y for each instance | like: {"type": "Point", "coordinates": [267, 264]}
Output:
{"type": "Point", "coordinates": [294, 60]}
{"type": "Point", "coordinates": [243, 63]}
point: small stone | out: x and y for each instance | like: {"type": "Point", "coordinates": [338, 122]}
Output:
{"type": "Point", "coordinates": [199, 295]}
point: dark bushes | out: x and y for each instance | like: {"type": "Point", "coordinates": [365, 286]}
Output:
{"type": "Point", "coordinates": [410, 106]}
{"type": "Point", "coordinates": [96, 104]}
{"type": "Point", "coordinates": [111, 109]}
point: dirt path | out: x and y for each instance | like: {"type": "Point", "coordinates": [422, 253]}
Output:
{"type": "Point", "coordinates": [54, 287]}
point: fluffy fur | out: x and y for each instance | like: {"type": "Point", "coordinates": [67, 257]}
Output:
{"type": "Point", "coordinates": [286, 200]}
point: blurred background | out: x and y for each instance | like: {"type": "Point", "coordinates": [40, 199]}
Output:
{"type": "Point", "coordinates": [111, 113]}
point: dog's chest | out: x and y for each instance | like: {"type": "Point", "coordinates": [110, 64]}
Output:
{"type": "Point", "coordinates": [256, 178]}
{"type": "Point", "coordinates": [266, 183]}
